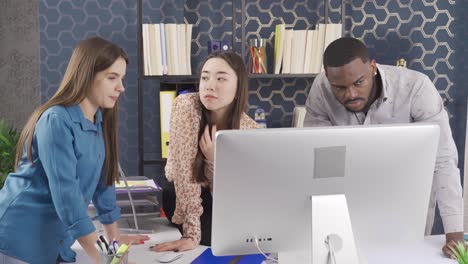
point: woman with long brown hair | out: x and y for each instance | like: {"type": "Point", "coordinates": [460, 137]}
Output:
{"type": "Point", "coordinates": [195, 118]}
{"type": "Point", "coordinates": [67, 156]}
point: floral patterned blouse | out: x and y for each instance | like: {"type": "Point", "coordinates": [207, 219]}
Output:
{"type": "Point", "coordinates": [183, 146]}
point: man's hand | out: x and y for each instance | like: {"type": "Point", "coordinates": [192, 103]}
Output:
{"type": "Point", "coordinates": [452, 240]}
{"type": "Point", "coordinates": [182, 244]}
{"type": "Point", "coordinates": [134, 239]}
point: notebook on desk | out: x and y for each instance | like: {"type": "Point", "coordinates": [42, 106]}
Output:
{"type": "Point", "coordinates": [137, 184]}
{"type": "Point", "coordinates": [207, 257]}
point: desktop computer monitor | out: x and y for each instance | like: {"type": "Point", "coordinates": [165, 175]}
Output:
{"type": "Point", "coordinates": [265, 179]}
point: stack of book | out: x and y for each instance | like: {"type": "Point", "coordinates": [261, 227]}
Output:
{"type": "Point", "coordinates": [144, 193]}
{"type": "Point", "coordinates": [167, 49]}
{"type": "Point", "coordinates": [137, 184]}
{"type": "Point", "coordinates": [301, 51]}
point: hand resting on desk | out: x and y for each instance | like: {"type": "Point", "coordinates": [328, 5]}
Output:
{"type": "Point", "coordinates": [182, 244]}
{"type": "Point", "coordinates": [451, 242]}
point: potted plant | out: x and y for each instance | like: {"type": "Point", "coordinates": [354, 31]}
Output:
{"type": "Point", "coordinates": [8, 140]}
{"type": "Point", "coordinates": [460, 252]}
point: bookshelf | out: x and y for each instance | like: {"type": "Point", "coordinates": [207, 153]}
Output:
{"type": "Point", "coordinates": [240, 32]}
{"type": "Point", "coordinates": [281, 76]}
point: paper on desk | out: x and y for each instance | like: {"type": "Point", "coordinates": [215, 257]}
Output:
{"type": "Point", "coordinates": [138, 183]}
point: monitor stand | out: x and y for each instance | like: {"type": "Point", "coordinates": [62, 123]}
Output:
{"type": "Point", "coordinates": [332, 234]}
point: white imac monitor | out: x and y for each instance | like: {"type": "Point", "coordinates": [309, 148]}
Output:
{"type": "Point", "coordinates": [264, 180]}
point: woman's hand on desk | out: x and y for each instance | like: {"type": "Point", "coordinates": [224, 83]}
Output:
{"type": "Point", "coordinates": [182, 244]}
{"type": "Point", "coordinates": [134, 239]}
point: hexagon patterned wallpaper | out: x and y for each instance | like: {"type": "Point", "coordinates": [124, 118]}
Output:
{"type": "Point", "coordinates": [420, 31]}
{"type": "Point", "coordinates": [19, 60]}
{"type": "Point", "coordinates": [62, 24]}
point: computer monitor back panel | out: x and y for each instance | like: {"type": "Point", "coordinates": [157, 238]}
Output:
{"type": "Point", "coordinates": [264, 180]}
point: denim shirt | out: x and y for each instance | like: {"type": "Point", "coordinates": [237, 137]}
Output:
{"type": "Point", "coordinates": [46, 201]}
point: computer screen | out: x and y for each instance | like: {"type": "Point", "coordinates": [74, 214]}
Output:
{"type": "Point", "coordinates": [264, 181]}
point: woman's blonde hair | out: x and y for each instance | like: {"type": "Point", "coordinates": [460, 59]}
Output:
{"type": "Point", "coordinates": [91, 56]}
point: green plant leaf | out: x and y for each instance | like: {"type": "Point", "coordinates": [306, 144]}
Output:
{"type": "Point", "coordinates": [461, 252]}
{"type": "Point", "coordinates": [8, 140]}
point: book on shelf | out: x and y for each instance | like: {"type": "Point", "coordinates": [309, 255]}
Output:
{"type": "Point", "coordinates": [188, 48]}
{"type": "Point", "coordinates": [155, 50]}
{"type": "Point", "coordinates": [279, 47]}
{"type": "Point", "coordinates": [332, 32]}
{"type": "Point", "coordinates": [309, 47]}
{"type": "Point", "coordinates": [298, 51]}
{"type": "Point", "coordinates": [146, 50]}
{"type": "Point", "coordinates": [317, 60]}
{"type": "Point", "coordinates": [171, 46]}
{"type": "Point", "coordinates": [288, 40]}
{"type": "Point", "coordinates": [301, 51]}
{"type": "Point", "coordinates": [167, 49]}
{"type": "Point", "coordinates": [180, 44]}
{"type": "Point", "coordinates": [316, 56]}
{"type": "Point", "coordinates": [163, 48]}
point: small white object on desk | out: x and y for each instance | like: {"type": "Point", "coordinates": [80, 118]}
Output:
{"type": "Point", "coordinates": [168, 257]}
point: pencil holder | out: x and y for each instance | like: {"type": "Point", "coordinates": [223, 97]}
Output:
{"type": "Point", "coordinates": [113, 259]}
{"type": "Point", "coordinates": [258, 58]}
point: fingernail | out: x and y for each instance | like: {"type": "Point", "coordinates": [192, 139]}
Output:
{"type": "Point", "coordinates": [142, 242]}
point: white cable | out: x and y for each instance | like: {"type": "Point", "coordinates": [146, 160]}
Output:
{"type": "Point", "coordinates": [265, 255]}
{"type": "Point", "coordinates": [122, 175]}
{"type": "Point", "coordinates": [331, 251]}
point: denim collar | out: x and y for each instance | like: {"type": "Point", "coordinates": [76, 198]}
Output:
{"type": "Point", "coordinates": [77, 116]}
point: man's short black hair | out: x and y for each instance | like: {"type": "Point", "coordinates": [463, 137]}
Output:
{"type": "Point", "coordinates": [344, 50]}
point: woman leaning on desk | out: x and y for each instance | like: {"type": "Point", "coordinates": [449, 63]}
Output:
{"type": "Point", "coordinates": [66, 157]}
{"type": "Point", "coordinates": [195, 118]}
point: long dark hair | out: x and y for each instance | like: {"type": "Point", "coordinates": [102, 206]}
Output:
{"type": "Point", "coordinates": [91, 56]}
{"type": "Point", "coordinates": [234, 113]}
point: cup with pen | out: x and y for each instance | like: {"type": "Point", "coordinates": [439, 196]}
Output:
{"type": "Point", "coordinates": [112, 253]}
{"type": "Point", "coordinates": [258, 58]}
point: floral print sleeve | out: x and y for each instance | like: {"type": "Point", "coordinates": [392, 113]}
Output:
{"type": "Point", "coordinates": [183, 146]}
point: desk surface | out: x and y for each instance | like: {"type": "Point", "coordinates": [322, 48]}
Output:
{"type": "Point", "coordinates": [427, 253]}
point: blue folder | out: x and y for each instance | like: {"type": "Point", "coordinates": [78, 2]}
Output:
{"type": "Point", "coordinates": [207, 258]}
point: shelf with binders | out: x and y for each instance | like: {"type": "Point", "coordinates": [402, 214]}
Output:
{"type": "Point", "coordinates": [235, 22]}
{"type": "Point", "coordinates": [194, 78]}
{"type": "Point", "coordinates": [288, 41]}
{"type": "Point", "coordinates": [170, 87]}
{"type": "Point", "coordinates": [169, 90]}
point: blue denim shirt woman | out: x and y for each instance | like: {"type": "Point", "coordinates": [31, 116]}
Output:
{"type": "Point", "coordinates": [66, 157]}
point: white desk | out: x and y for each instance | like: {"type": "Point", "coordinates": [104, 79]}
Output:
{"type": "Point", "coordinates": [163, 232]}
{"type": "Point", "coordinates": [427, 253]}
